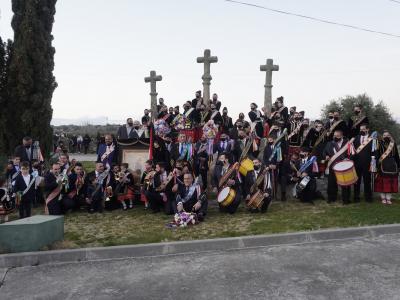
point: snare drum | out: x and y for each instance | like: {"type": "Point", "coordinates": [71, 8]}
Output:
{"type": "Point", "coordinates": [345, 173]}
{"type": "Point", "coordinates": [246, 166]}
{"type": "Point", "coordinates": [226, 196]}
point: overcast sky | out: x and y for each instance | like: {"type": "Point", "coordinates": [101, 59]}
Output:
{"type": "Point", "coordinates": [105, 48]}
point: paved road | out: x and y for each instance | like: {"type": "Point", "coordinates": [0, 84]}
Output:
{"type": "Point", "coordinates": [83, 157]}
{"type": "Point", "coordinates": [352, 269]}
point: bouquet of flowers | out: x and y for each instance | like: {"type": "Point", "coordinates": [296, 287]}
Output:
{"type": "Point", "coordinates": [210, 130]}
{"type": "Point", "coordinates": [183, 219]}
{"type": "Point", "coordinates": [180, 123]}
{"type": "Point", "coordinates": [161, 127]}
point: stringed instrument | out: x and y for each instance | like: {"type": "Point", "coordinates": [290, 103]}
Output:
{"type": "Point", "coordinates": [166, 182]}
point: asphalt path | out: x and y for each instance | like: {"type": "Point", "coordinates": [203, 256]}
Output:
{"type": "Point", "coordinates": [365, 268]}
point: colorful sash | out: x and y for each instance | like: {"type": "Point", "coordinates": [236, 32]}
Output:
{"type": "Point", "coordinates": [373, 136]}
{"type": "Point", "coordinates": [340, 152]}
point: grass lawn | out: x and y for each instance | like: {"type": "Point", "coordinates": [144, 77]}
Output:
{"type": "Point", "coordinates": [138, 226]}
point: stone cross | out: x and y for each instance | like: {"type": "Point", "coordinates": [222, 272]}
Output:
{"type": "Point", "coordinates": [153, 78]}
{"type": "Point", "coordinates": [268, 68]}
{"type": "Point", "coordinates": [207, 60]}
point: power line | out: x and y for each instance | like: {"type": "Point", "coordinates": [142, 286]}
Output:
{"type": "Point", "coordinates": [315, 19]}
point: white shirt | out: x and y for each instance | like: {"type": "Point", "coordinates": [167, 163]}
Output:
{"type": "Point", "coordinates": [27, 179]}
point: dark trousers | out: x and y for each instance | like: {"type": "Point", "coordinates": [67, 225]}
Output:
{"type": "Point", "coordinates": [283, 182]}
{"type": "Point", "coordinates": [96, 205]}
{"type": "Point", "coordinates": [156, 202]}
{"type": "Point", "coordinates": [25, 208]}
{"type": "Point", "coordinates": [203, 174]}
{"type": "Point", "coordinates": [54, 207]}
{"type": "Point", "coordinates": [309, 192]}
{"type": "Point", "coordinates": [365, 176]}
{"type": "Point", "coordinates": [333, 189]}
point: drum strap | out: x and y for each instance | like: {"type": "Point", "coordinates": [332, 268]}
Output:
{"type": "Point", "coordinates": [363, 145]}
{"type": "Point", "coordinates": [307, 164]}
{"type": "Point", "coordinates": [387, 152]}
{"type": "Point", "coordinates": [332, 128]}
{"type": "Point", "coordinates": [339, 153]}
{"type": "Point", "coordinates": [186, 114]}
{"type": "Point", "coordinates": [358, 122]}
{"type": "Point", "coordinates": [214, 114]}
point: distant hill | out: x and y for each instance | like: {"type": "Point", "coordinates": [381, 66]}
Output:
{"type": "Point", "coordinates": [101, 120]}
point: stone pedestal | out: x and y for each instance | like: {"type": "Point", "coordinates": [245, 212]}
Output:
{"type": "Point", "coordinates": [31, 234]}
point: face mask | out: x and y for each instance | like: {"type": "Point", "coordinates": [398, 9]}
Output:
{"type": "Point", "coordinates": [363, 133]}
{"type": "Point", "coordinates": [336, 139]}
{"type": "Point", "coordinates": [256, 168]}
{"type": "Point", "coordinates": [225, 113]}
{"type": "Point", "coordinates": [27, 146]}
{"type": "Point", "coordinates": [336, 118]}
{"type": "Point", "coordinates": [302, 155]}
{"type": "Point", "coordinates": [386, 139]}
{"type": "Point", "coordinates": [305, 125]}
{"type": "Point", "coordinates": [270, 143]}
{"type": "Point", "coordinates": [330, 117]}
{"type": "Point", "coordinates": [357, 112]}
{"type": "Point", "coordinates": [137, 127]}
{"type": "Point", "coordinates": [168, 142]}
{"type": "Point", "coordinates": [223, 140]}
{"type": "Point", "coordinates": [130, 124]}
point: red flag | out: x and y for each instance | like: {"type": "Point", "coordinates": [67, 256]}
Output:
{"type": "Point", "coordinates": [151, 141]}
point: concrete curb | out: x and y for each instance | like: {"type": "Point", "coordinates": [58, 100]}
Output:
{"type": "Point", "coordinates": [172, 248]}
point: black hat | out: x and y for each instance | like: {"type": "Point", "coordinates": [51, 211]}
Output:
{"type": "Point", "coordinates": [280, 99]}
{"type": "Point", "coordinates": [306, 149]}
{"type": "Point", "coordinates": [294, 108]}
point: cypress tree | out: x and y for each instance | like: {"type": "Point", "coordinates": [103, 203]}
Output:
{"type": "Point", "coordinates": [5, 57]}
{"type": "Point", "coordinates": [31, 82]}
{"type": "Point", "coordinates": [2, 100]}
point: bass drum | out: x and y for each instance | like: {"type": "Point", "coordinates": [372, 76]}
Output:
{"type": "Point", "coordinates": [226, 196]}
{"type": "Point", "coordinates": [345, 173]}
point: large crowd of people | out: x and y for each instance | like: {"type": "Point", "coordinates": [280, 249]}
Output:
{"type": "Point", "coordinates": [202, 151]}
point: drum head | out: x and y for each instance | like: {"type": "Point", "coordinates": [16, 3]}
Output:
{"type": "Point", "coordinates": [343, 166]}
{"type": "Point", "coordinates": [223, 194]}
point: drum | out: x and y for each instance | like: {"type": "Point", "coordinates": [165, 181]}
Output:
{"type": "Point", "coordinates": [257, 200]}
{"type": "Point", "coordinates": [226, 196]}
{"type": "Point", "coordinates": [345, 173]}
{"type": "Point", "coordinates": [302, 185]}
{"type": "Point", "coordinates": [246, 166]}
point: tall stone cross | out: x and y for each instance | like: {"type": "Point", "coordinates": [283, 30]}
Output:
{"type": "Point", "coordinates": [268, 68]}
{"type": "Point", "coordinates": [207, 60]}
{"type": "Point", "coordinates": [153, 78]}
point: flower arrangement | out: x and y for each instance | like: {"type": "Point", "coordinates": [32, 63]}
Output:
{"type": "Point", "coordinates": [161, 127]}
{"type": "Point", "coordinates": [210, 130]}
{"type": "Point", "coordinates": [180, 123]}
{"type": "Point", "coordinates": [183, 219]}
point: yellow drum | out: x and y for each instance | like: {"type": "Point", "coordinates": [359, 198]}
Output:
{"type": "Point", "coordinates": [226, 196]}
{"type": "Point", "coordinates": [345, 173]}
{"type": "Point", "coordinates": [246, 165]}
